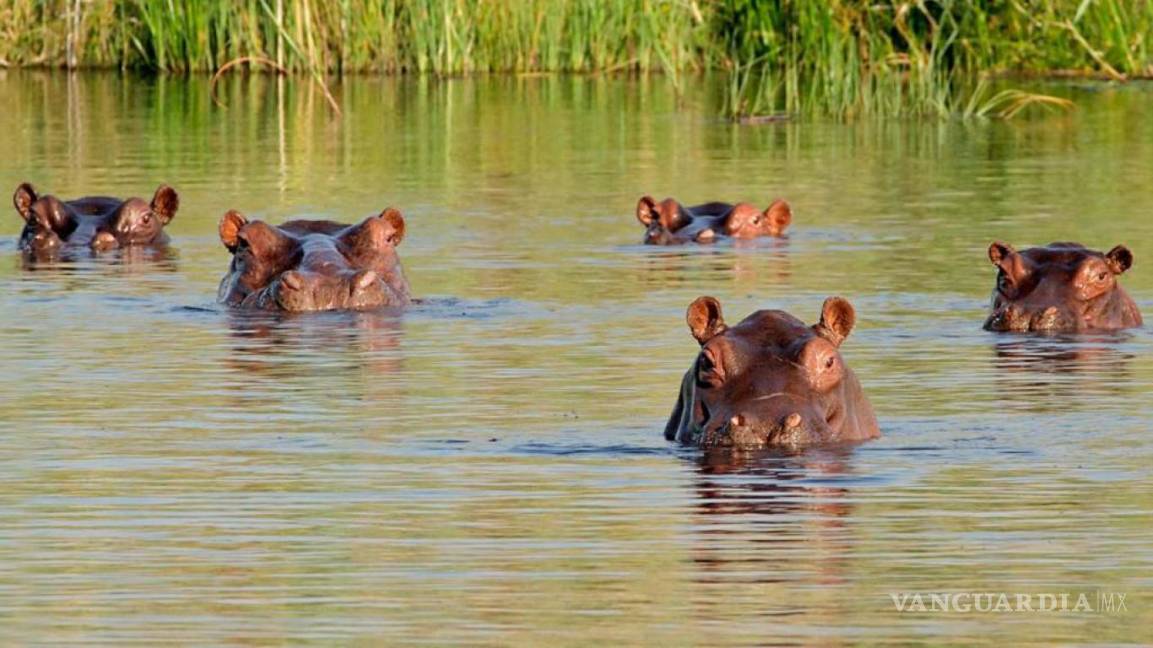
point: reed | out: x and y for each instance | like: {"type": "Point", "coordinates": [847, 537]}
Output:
{"type": "Point", "coordinates": [845, 58]}
{"type": "Point", "coordinates": [853, 57]}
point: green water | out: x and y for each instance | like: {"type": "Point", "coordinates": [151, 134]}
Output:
{"type": "Point", "coordinates": [488, 467]}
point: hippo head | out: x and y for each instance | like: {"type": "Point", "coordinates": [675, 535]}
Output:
{"type": "Point", "coordinates": [48, 221]}
{"type": "Point", "coordinates": [770, 381]}
{"type": "Point", "coordinates": [748, 222]}
{"type": "Point", "coordinates": [307, 265]}
{"type": "Point", "coordinates": [136, 222]}
{"type": "Point", "coordinates": [670, 223]}
{"type": "Point", "coordinates": [1060, 288]}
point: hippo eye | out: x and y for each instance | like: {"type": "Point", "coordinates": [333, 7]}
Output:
{"type": "Point", "coordinates": [706, 365]}
{"type": "Point", "coordinates": [147, 218]}
{"type": "Point", "coordinates": [1102, 276]}
{"type": "Point", "coordinates": [708, 373]}
{"type": "Point", "coordinates": [1003, 283]}
{"type": "Point", "coordinates": [756, 220]}
{"type": "Point", "coordinates": [830, 362]}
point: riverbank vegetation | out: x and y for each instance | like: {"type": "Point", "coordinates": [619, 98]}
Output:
{"type": "Point", "coordinates": [839, 57]}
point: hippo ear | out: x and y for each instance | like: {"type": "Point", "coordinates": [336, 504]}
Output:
{"type": "Point", "coordinates": [376, 232]}
{"type": "Point", "coordinates": [230, 229]}
{"type": "Point", "coordinates": [705, 319]}
{"type": "Point", "coordinates": [837, 320]}
{"type": "Point", "coordinates": [165, 202]}
{"type": "Point", "coordinates": [23, 198]}
{"type": "Point", "coordinates": [779, 215]}
{"type": "Point", "coordinates": [1007, 259]}
{"type": "Point", "coordinates": [395, 222]}
{"type": "Point", "coordinates": [1119, 259]}
{"type": "Point", "coordinates": [1001, 254]}
{"type": "Point", "coordinates": [647, 211]}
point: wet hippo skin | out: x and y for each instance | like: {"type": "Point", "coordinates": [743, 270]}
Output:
{"type": "Point", "coordinates": [770, 381]}
{"type": "Point", "coordinates": [314, 265]}
{"type": "Point", "coordinates": [1060, 288]}
{"type": "Point", "coordinates": [52, 225]}
{"type": "Point", "coordinates": [670, 223]}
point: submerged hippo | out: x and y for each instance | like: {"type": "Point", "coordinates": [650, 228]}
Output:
{"type": "Point", "coordinates": [100, 223]}
{"type": "Point", "coordinates": [1060, 288]}
{"type": "Point", "coordinates": [671, 223]}
{"type": "Point", "coordinates": [314, 265]}
{"type": "Point", "coordinates": [770, 381]}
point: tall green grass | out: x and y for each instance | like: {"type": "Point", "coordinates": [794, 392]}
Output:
{"type": "Point", "coordinates": [438, 36]}
{"type": "Point", "coordinates": [840, 57]}
{"type": "Point", "coordinates": [856, 57]}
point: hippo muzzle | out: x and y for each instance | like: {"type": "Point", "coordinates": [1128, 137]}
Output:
{"type": "Point", "coordinates": [740, 431]}
{"type": "Point", "coordinates": [1012, 318]}
{"type": "Point", "coordinates": [308, 291]}
{"type": "Point", "coordinates": [41, 241]}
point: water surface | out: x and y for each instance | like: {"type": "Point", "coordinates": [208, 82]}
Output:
{"type": "Point", "coordinates": [488, 467]}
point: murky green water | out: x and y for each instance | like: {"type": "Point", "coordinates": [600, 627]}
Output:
{"type": "Point", "coordinates": [488, 468]}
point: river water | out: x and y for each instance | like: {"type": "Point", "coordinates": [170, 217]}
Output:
{"type": "Point", "coordinates": [488, 467]}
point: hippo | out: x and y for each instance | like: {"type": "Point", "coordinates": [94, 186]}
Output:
{"type": "Point", "coordinates": [314, 265]}
{"type": "Point", "coordinates": [98, 223]}
{"type": "Point", "coordinates": [1060, 288]}
{"type": "Point", "coordinates": [671, 223]}
{"type": "Point", "coordinates": [770, 382]}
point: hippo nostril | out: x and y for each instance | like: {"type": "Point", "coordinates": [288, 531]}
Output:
{"type": "Point", "coordinates": [1046, 319]}
{"type": "Point", "coordinates": [292, 280]}
{"type": "Point", "coordinates": [363, 280]}
{"type": "Point", "coordinates": [103, 241]}
{"type": "Point", "coordinates": [793, 421]}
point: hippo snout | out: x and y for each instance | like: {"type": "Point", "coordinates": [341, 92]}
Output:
{"type": "Point", "coordinates": [298, 291]}
{"type": "Point", "coordinates": [1013, 318]}
{"type": "Point", "coordinates": [44, 240]}
{"type": "Point", "coordinates": [308, 291]}
{"type": "Point", "coordinates": [742, 431]}
{"type": "Point", "coordinates": [290, 292]}
{"type": "Point", "coordinates": [1050, 319]}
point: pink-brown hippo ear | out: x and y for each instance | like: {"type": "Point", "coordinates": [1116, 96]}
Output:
{"type": "Point", "coordinates": [647, 211]}
{"type": "Point", "coordinates": [395, 232]}
{"type": "Point", "coordinates": [375, 232]}
{"type": "Point", "coordinates": [23, 198]}
{"type": "Point", "coordinates": [1008, 260]}
{"type": "Point", "coordinates": [779, 215]}
{"type": "Point", "coordinates": [705, 319]}
{"type": "Point", "coordinates": [999, 252]}
{"type": "Point", "coordinates": [165, 202]}
{"type": "Point", "coordinates": [230, 229]}
{"type": "Point", "coordinates": [1119, 259]}
{"type": "Point", "coordinates": [837, 320]}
